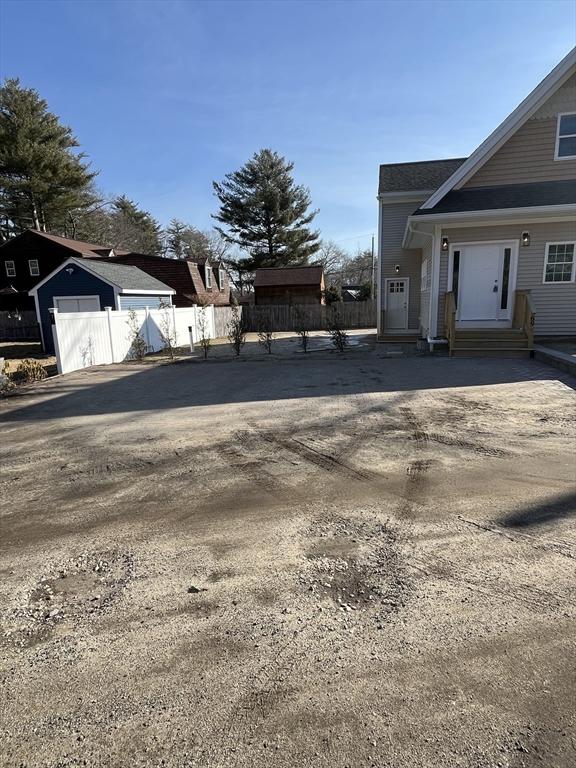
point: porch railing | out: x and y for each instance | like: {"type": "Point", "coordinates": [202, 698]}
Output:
{"type": "Point", "coordinates": [450, 320]}
{"type": "Point", "coordinates": [524, 315]}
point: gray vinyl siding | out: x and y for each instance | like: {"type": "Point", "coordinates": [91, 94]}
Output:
{"type": "Point", "coordinates": [425, 292]}
{"type": "Point", "coordinates": [393, 219]}
{"type": "Point", "coordinates": [528, 155]}
{"type": "Point", "coordinates": [554, 303]}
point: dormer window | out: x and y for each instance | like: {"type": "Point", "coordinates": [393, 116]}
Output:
{"type": "Point", "coordinates": [221, 278]}
{"type": "Point", "coordinates": [208, 273]}
{"type": "Point", "coordinates": [566, 137]}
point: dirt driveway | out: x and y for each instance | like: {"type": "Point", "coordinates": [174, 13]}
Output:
{"type": "Point", "coordinates": [326, 561]}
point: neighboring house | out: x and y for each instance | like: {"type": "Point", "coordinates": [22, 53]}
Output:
{"type": "Point", "coordinates": [187, 278]}
{"type": "Point", "coordinates": [82, 285]}
{"type": "Point", "coordinates": [353, 293]}
{"type": "Point", "coordinates": [480, 251]}
{"type": "Point", "coordinates": [29, 257]}
{"type": "Point", "coordinates": [289, 285]}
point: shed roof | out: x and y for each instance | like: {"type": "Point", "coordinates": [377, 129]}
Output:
{"type": "Point", "coordinates": [269, 276]}
{"type": "Point", "coordinates": [504, 196]}
{"type": "Point", "coordinates": [422, 175]}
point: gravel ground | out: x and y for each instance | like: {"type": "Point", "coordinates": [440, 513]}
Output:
{"type": "Point", "coordinates": [311, 561]}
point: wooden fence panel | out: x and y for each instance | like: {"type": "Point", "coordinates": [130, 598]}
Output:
{"type": "Point", "coordinates": [23, 326]}
{"type": "Point", "coordinates": [315, 317]}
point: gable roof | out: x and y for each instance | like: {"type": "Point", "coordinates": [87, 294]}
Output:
{"type": "Point", "coordinates": [80, 247]}
{"type": "Point", "coordinates": [181, 274]}
{"type": "Point", "coordinates": [269, 276]}
{"type": "Point", "coordinates": [121, 276]}
{"type": "Point", "coordinates": [422, 176]}
{"type": "Point", "coordinates": [510, 125]}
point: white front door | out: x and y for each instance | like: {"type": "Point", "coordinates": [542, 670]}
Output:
{"type": "Point", "coordinates": [397, 304]}
{"type": "Point", "coordinates": [483, 280]}
{"type": "Point", "coordinates": [78, 304]}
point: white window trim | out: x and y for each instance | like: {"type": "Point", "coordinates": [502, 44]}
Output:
{"type": "Point", "coordinates": [221, 278]}
{"type": "Point", "coordinates": [566, 136]}
{"type": "Point", "coordinates": [13, 268]}
{"type": "Point", "coordinates": [559, 282]}
{"type": "Point", "coordinates": [80, 296]}
{"type": "Point", "coordinates": [37, 272]}
{"type": "Point", "coordinates": [406, 280]}
{"type": "Point", "coordinates": [208, 276]}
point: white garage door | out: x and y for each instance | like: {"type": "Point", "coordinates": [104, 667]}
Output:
{"type": "Point", "coordinates": [78, 304]}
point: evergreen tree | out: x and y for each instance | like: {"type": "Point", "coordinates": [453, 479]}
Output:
{"type": "Point", "coordinates": [266, 214]}
{"type": "Point", "coordinates": [119, 224]}
{"type": "Point", "coordinates": [41, 178]}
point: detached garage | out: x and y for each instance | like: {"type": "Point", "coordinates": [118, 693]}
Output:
{"type": "Point", "coordinates": [85, 285]}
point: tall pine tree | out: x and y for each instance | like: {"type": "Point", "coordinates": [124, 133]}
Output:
{"type": "Point", "coordinates": [41, 178]}
{"type": "Point", "coordinates": [266, 214]}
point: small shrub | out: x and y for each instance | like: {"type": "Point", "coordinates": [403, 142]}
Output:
{"type": "Point", "coordinates": [302, 329]}
{"type": "Point", "coordinates": [167, 330]}
{"type": "Point", "coordinates": [338, 335]}
{"type": "Point", "coordinates": [237, 330]}
{"type": "Point", "coordinates": [265, 333]}
{"type": "Point", "coordinates": [332, 295]}
{"type": "Point", "coordinates": [204, 332]}
{"type": "Point", "coordinates": [27, 372]}
{"type": "Point", "coordinates": [138, 346]}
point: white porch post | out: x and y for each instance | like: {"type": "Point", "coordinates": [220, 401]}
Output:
{"type": "Point", "coordinates": [435, 282]}
{"type": "Point", "coordinates": [54, 314]}
{"type": "Point", "coordinates": [110, 333]}
{"type": "Point", "coordinates": [379, 328]}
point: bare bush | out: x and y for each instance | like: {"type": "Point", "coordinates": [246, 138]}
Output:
{"type": "Point", "coordinates": [302, 329]}
{"type": "Point", "coordinates": [266, 335]}
{"type": "Point", "coordinates": [167, 329]}
{"type": "Point", "coordinates": [28, 371]}
{"type": "Point", "coordinates": [338, 335]}
{"type": "Point", "coordinates": [204, 330]}
{"type": "Point", "coordinates": [138, 346]}
{"type": "Point", "coordinates": [237, 330]}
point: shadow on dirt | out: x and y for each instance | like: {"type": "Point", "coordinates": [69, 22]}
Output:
{"type": "Point", "coordinates": [554, 509]}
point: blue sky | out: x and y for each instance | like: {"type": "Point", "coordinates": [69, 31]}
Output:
{"type": "Point", "coordinates": [166, 97]}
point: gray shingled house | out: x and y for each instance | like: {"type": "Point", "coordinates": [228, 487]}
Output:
{"type": "Point", "coordinates": [478, 253]}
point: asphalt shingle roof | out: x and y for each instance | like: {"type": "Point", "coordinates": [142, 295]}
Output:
{"type": "Point", "coordinates": [125, 276]}
{"type": "Point", "coordinates": [505, 196]}
{"type": "Point", "coordinates": [424, 175]}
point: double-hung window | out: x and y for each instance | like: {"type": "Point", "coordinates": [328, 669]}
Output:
{"type": "Point", "coordinates": [10, 268]}
{"type": "Point", "coordinates": [559, 263]}
{"type": "Point", "coordinates": [208, 273]}
{"type": "Point", "coordinates": [221, 278]}
{"type": "Point", "coordinates": [566, 136]}
{"type": "Point", "coordinates": [34, 268]}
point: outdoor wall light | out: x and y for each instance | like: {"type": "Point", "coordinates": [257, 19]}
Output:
{"type": "Point", "coordinates": [397, 268]}
{"type": "Point", "coordinates": [70, 270]}
{"type": "Point", "coordinates": [525, 238]}
{"type": "Point", "coordinates": [445, 243]}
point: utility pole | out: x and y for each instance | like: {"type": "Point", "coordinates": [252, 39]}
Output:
{"type": "Point", "coordinates": [373, 292]}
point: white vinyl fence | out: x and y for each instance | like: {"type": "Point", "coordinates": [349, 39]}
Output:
{"type": "Point", "coordinates": [82, 339]}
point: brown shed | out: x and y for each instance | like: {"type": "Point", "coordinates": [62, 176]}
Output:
{"type": "Point", "coordinates": [289, 285]}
